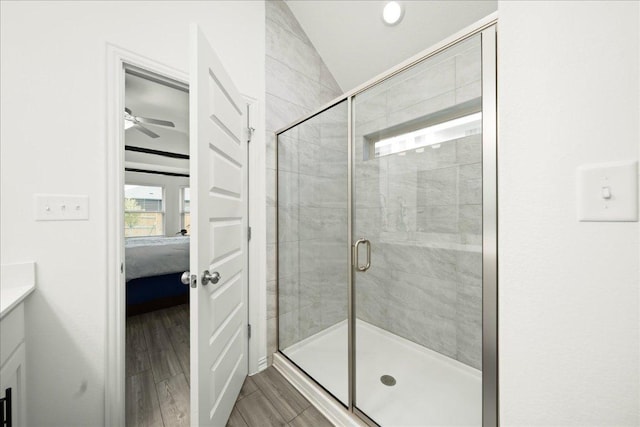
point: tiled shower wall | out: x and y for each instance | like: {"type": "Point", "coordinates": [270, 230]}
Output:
{"type": "Point", "coordinates": [422, 212]}
{"type": "Point", "coordinates": [297, 83]}
{"type": "Point", "coordinates": [314, 261]}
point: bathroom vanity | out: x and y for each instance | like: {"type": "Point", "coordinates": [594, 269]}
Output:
{"type": "Point", "coordinates": [17, 283]}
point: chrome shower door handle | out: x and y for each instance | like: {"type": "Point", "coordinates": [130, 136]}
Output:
{"type": "Point", "coordinates": [356, 254]}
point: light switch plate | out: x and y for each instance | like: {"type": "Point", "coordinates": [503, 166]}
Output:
{"type": "Point", "coordinates": [61, 207]}
{"type": "Point", "coordinates": [608, 191]}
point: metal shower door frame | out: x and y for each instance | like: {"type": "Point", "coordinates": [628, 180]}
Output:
{"type": "Point", "coordinates": [487, 29]}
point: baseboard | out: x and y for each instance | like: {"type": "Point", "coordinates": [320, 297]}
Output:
{"type": "Point", "coordinates": [263, 364]}
{"type": "Point", "coordinates": [337, 414]}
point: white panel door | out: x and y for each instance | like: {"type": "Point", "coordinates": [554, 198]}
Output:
{"type": "Point", "coordinates": [218, 237]}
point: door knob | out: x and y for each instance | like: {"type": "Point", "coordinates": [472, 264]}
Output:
{"type": "Point", "coordinates": [210, 277]}
{"type": "Point", "coordinates": [187, 279]}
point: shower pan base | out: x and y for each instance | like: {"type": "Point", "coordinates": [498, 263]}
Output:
{"type": "Point", "coordinates": [430, 390]}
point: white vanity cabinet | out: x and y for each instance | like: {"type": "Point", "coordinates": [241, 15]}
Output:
{"type": "Point", "coordinates": [12, 362]}
{"type": "Point", "coordinates": [17, 284]}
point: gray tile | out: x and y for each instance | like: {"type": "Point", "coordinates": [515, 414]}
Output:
{"type": "Point", "coordinates": [288, 152]}
{"type": "Point", "coordinates": [470, 184]}
{"type": "Point", "coordinates": [271, 228]}
{"type": "Point", "coordinates": [309, 321]}
{"type": "Point", "coordinates": [288, 291]}
{"type": "Point", "coordinates": [325, 223]}
{"type": "Point", "coordinates": [440, 187]}
{"type": "Point", "coordinates": [285, 398]}
{"type": "Point", "coordinates": [235, 419]}
{"type": "Point", "coordinates": [310, 417]}
{"type": "Point", "coordinates": [281, 112]}
{"type": "Point", "coordinates": [290, 186]}
{"type": "Point", "coordinates": [421, 108]}
{"type": "Point", "coordinates": [469, 149]}
{"type": "Point", "coordinates": [468, 92]}
{"type": "Point", "coordinates": [258, 411]}
{"type": "Point", "coordinates": [288, 259]}
{"type": "Point", "coordinates": [272, 344]}
{"type": "Point", "coordinates": [248, 387]}
{"type": "Point", "coordinates": [271, 262]}
{"type": "Point", "coordinates": [328, 81]}
{"type": "Point", "coordinates": [426, 83]}
{"type": "Point", "coordinates": [280, 15]}
{"type": "Point", "coordinates": [288, 223]}
{"type": "Point", "coordinates": [283, 46]}
{"type": "Point", "coordinates": [470, 219]}
{"type": "Point", "coordinates": [439, 219]}
{"type": "Point", "coordinates": [289, 331]}
{"type": "Point", "coordinates": [271, 299]}
{"type": "Point", "coordinates": [292, 85]}
{"type": "Point", "coordinates": [468, 67]}
{"type": "Point", "coordinates": [270, 150]}
{"type": "Point", "coordinates": [270, 185]}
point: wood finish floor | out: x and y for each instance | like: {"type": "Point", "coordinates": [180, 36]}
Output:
{"type": "Point", "coordinates": [157, 390]}
{"type": "Point", "coordinates": [157, 348]}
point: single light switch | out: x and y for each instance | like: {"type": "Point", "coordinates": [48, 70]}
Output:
{"type": "Point", "coordinates": [608, 191]}
{"type": "Point", "coordinates": [59, 207]}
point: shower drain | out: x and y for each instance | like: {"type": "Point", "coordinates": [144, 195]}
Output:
{"type": "Point", "coordinates": [388, 380]}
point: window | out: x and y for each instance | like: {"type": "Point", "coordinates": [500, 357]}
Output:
{"type": "Point", "coordinates": [445, 125]}
{"type": "Point", "coordinates": [143, 211]}
{"type": "Point", "coordinates": [185, 209]}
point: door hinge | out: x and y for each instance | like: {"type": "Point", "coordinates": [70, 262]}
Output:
{"type": "Point", "coordinates": [249, 331]}
{"type": "Point", "coordinates": [248, 233]}
{"type": "Point", "coordinates": [250, 131]}
{"type": "Point", "coordinates": [122, 267]}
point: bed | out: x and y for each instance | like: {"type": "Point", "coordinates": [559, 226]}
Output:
{"type": "Point", "coordinates": [153, 269]}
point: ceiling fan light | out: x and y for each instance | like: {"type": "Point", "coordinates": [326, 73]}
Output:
{"type": "Point", "coordinates": [128, 124]}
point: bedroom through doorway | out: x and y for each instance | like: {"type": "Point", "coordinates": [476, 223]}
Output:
{"type": "Point", "coordinates": [156, 233]}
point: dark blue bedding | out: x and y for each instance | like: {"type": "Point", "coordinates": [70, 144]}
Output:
{"type": "Point", "coordinates": [146, 289]}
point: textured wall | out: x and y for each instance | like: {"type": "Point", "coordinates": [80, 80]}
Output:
{"type": "Point", "coordinates": [297, 82]}
{"type": "Point", "coordinates": [422, 212]}
{"type": "Point", "coordinates": [313, 225]}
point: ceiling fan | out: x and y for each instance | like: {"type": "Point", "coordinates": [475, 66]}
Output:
{"type": "Point", "coordinates": [131, 121]}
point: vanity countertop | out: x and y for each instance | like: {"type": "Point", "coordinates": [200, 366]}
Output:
{"type": "Point", "coordinates": [17, 281]}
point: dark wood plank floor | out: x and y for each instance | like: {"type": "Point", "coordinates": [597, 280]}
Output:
{"type": "Point", "coordinates": [158, 368]}
{"type": "Point", "coordinates": [158, 380]}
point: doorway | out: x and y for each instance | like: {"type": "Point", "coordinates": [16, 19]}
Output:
{"type": "Point", "coordinates": [157, 223]}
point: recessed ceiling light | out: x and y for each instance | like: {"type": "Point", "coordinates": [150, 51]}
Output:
{"type": "Point", "coordinates": [392, 13]}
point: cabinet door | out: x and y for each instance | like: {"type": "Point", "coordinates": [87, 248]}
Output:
{"type": "Point", "coordinates": [12, 375]}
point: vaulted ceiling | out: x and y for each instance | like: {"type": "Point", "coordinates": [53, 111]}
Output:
{"type": "Point", "coordinates": [357, 45]}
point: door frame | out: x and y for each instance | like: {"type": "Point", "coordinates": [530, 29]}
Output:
{"type": "Point", "coordinates": [115, 362]}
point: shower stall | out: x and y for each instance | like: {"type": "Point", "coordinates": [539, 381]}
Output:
{"type": "Point", "coordinates": [387, 253]}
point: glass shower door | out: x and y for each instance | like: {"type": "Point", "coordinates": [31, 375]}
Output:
{"type": "Point", "coordinates": [313, 248]}
{"type": "Point", "coordinates": [417, 211]}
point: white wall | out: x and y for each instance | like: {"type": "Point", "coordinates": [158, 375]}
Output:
{"type": "Point", "coordinates": [53, 115]}
{"type": "Point", "coordinates": [569, 291]}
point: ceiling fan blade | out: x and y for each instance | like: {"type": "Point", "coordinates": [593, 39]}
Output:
{"type": "Point", "coordinates": [146, 131]}
{"type": "Point", "coordinates": [155, 122]}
